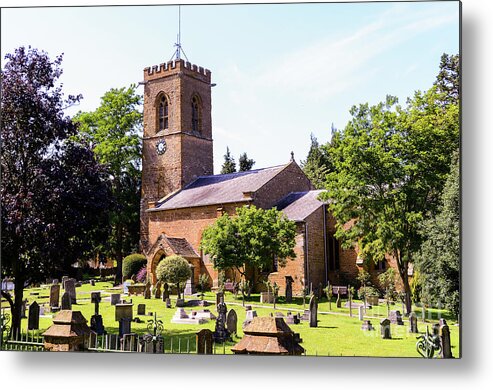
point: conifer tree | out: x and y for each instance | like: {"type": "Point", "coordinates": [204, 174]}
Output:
{"type": "Point", "coordinates": [229, 165]}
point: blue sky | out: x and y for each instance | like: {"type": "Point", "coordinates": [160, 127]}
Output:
{"type": "Point", "coordinates": [282, 71]}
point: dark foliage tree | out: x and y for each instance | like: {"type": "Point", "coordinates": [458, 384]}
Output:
{"type": "Point", "coordinates": [448, 80]}
{"type": "Point", "coordinates": [229, 165]}
{"type": "Point", "coordinates": [317, 163]}
{"type": "Point", "coordinates": [112, 130]}
{"type": "Point", "coordinates": [53, 190]}
{"type": "Point", "coordinates": [246, 164]}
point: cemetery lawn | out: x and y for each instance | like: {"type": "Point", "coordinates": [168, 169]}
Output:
{"type": "Point", "coordinates": [337, 333]}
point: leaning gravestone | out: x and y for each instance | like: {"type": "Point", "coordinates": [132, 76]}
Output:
{"type": "Point", "coordinates": [204, 341]}
{"type": "Point", "coordinates": [114, 299]}
{"type": "Point", "coordinates": [313, 311]}
{"type": "Point", "coordinates": [66, 301]}
{"type": "Point", "coordinates": [385, 328]}
{"type": "Point", "coordinates": [413, 323]}
{"type": "Point", "coordinates": [70, 288]}
{"type": "Point", "coordinates": [232, 322]}
{"type": "Point", "coordinates": [55, 296]}
{"type": "Point", "coordinates": [33, 319]}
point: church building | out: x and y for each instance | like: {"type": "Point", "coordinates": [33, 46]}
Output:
{"type": "Point", "coordinates": [181, 196]}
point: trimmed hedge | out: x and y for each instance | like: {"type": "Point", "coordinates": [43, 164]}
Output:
{"type": "Point", "coordinates": [132, 265]}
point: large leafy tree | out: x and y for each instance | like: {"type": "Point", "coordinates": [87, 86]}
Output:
{"type": "Point", "coordinates": [112, 130]}
{"type": "Point", "coordinates": [250, 239]}
{"type": "Point", "coordinates": [53, 191]}
{"type": "Point", "coordinates": [439, 259]}
{"type": "Point", "coordinates": [390, 166]}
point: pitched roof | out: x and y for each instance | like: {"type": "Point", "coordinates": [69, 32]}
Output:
{"type": "Point", "coordinates": [182, 247]}
{"type": "Point", "coordinates": [219, 189]}
{"type": "Point", "coordinates": [297, 206]}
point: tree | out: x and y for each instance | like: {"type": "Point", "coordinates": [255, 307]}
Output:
{"type": "Point", "coordinates": [448, 80]}
{"type": "Point", "coordinates": [317, 165]}
{"type": "Point", "coordinates": [53, 191]}
{"type": "Point", "coordinates": [112, 130]}
{"type": "Point", "coordinates": [246, 164]}
{"type": "Point", "coordinates": [174, 270]}
{"type": "Point", "coordinates": [229, 165]}
{"type": "Point", "coordinates": [251, 239]}
{"type": "Point", "coordinates": [439, 259]}
{"type": "Point", "coordinates": [390, 165]}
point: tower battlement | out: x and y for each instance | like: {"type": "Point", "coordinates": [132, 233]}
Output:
{"type": "Point", "coordinates": [176, 66]}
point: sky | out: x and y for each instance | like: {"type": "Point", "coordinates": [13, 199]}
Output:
{"type": "Point", "coordinates": [282, 71]}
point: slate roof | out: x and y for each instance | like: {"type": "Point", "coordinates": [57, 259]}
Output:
{"type": "Point", "coordinates": [220, 189]}
{"type": "Point", "coordinates": [297, 206]}
{"type": "Point", "coordinates": [182, 247]}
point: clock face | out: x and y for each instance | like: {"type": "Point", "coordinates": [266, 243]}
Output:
{"type": "Point", "coordinates": [161, 146]}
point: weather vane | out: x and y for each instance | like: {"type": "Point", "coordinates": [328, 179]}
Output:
{"type": "Point", "coordinates": [179, 49]}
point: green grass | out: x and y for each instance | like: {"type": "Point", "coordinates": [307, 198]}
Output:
{"type": "Point", "coordinates": [337, 333]}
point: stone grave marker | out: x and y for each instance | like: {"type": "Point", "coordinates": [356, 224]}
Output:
{"type": "Point", "coordinates": [92, 282]}
{"type": "Point", "coordinates": [221, 334]}
{"type": "Point", "coordinates": [125, 287]}
{"type": "Point", "coordinates": [124, 310]}
{"type": "Point", "coordinates": [289, 289]}
{"type": "Point", "coordinates": [96, 298]}
{"type": "Point", "coordinates": [435, 329]}
{"type": "Point", "coordinates": [165, 291]}
{"type": "Point", "coordinates": [141, 309]}
{"type": "Point", "coordinates": [232, 322]}
{"type": "Point", "coordinates": [219, 298]}
{"type": "Point", "coordinates": [395, 317]}
{"type": "Point", "coordinates": [33, 319]}
{"type": "Point", "coordinates": [55, 296]}
{"type": "Point", "coordinates": [157, 290]}
{"type": "Point", "coordinates": [124, 326]}
{"type": "Point", "coordinates": [366, 325]}
{"type": "Point", "coordinates": [55, 281]}
{"type": "Point", "coordinates": [250, 315]}
{"type": "Point", "coordinates": [64, 278]}
{"type": "Point", "coordinates": [114, 299]}
{"type": "Point", "coordinates": [168, 303]}
{"type": "Point", "coordinates": [361, 312]}
{"type": "Point", "coordinates": [338, 302]}
{"type": "Point", "coordinates": [413, 323]}
{"type": "Point", "coordinates": [66, 301]}
{"type": "Point", "coordinates": [204, 342]}
{"type": "Point", "coordinates": [147, 291]}
{"type": "Point", "coordinates": [446, 352]}
{"type": "Point", "coordinates": [70, 289]}
{"type": "Point", "coordinates": [97, 324]}
{"type": "Point", "coordinates": [313, 311]}
{"type": "Point", "coordinates": [385, 329]}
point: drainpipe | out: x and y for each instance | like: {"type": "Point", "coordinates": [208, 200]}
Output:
{"type": "Point", "coordinates": [324, 208]}
{"type": "Point", "coordinates": [307, 269]}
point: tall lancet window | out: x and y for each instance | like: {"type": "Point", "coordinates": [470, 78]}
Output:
{"type": "Point", "coordinates": [195, 113]}
{"type": "Point", "coordinates": [163, 117]}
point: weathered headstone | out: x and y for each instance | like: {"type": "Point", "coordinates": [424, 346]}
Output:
{"type": "Point", "coordinates": [64, 278]}
{"type": "Point", "coordinates": [221, 334]}
{"type": "Point", "coordinates": [289, 289]}
{"type": "Point", "coordinates": [157, 290]}
{"type": "Point", "coordinates": [165, 291]}
{"type": "Point", "coordinates": [97, 324]}
{"type": "Point", "coordinates": [66, 301]}
{"type": "Point", "coordinates": [96, 298]}
{"type": "Point", "coordinates": [123, 310]}
{"type": "Point", "coordinates": [232, 322]}
{"type": "Point", "coordinates": [250, 315]}
{"type": "Point", "coordinates": [33, 319]}
{"type": "Point", "coordinates": [92, 282]}
{"type": "Point", "coordinates": [147, 291]}
{"type": "Point", "coordinates": [124, 326]}
{"type": "Point", "coordinates": [219, 298]}
{"type": "Point", "coordinates": [395, 317]}
{"type": "Point", "coordinates": [446, 352]}
{"type": "Point", "coordinates": [141, 309]}
{"type": "Point", "coordinates": [413, 323]}
{"type": "Point", "coordinates": [385, 329]}
{"type": "Point", "coordinates": [361, 311]}
{"type": "Point", "coordinates": [168, 303]}
{"type": "Point", "coordinates": [70, 288]}
{"type": "Point", "coordinates": [55, 295]}
{"type": "Point", "coordinates": [313, 311]}
{"type": "Point", "coordinates": [204, 342]}
{"type": "Point", "coordinates": [114, 299]}
{"type": "Point", "coordinates": [366, 325]}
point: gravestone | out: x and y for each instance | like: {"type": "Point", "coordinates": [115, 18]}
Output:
{"type": "Point", "coordinates": [165, 291]}
{"type": "Point", "coordinates": [141, 309]}
{"type": "Point", "coordinates": [70, 288]}
{"type": "Point", "coordinates": [219, 298]}
{"type": "Point", "coordinates": [221, 334]}
{"type": "Point", "coordinates": [250, 315]}
{"type": "Point", "coordinates": [248, 307]}
{"type": "Point", "coordinates": [395, 317]}
{"type": "Point", "coordinates": [292, 319]}
{"type": "Point", "coordinates": [92, 282]}
{"type": "Point", "coordinates": [33, 319]}
{"type": "Point", "coordinates": [55, 296]}
{"type": "Point", "coordinates": [446, 352]}
{"type": "Point", "coordinates": [204, 342]}
{"type": "Point", "coordinates": [366, 325]}
{"type": "Point", "coordinates": [157, 290]}
{"type": "Point", "coordinates": [168, 303]}
{"type": "Point", "coordinates": [125, 287]}
{"type": "Point", "coordinates": [130, 342]}
{"type": "Point", "coordinates": [385, 329]}
{"type": "Point", "coordinates": [64, 278]}
{"type": "Point", "coordinates": [413, 323]}
{"type": "Point", "coordinates": [66, 301]}
{"type": "Point", "coordinates": [55, 281]}
{"type": "Point", "coordinates": [147, 291]}
{"type": "Point", "coordinates": [189, 288]}
{"type": "Point", "coordinates": [360, 312]}
{"type": "Point", "coordinates": [124, 326]}
{"type": "Point", "coordinates": [97, 324]}
{"type": "Point", "coordinates": [313, 311]}
{"type": "Point", "coordinates": [435, 329]}
{"type": "Point", "coordinates": [124, 310]}
{"type": "Point", "coordinates": [306, 315]}
{"type": "Point", "coordinates": [338, 302]}
{"type": "Point", "coordinates": [232, 322]}
{"type": "Point", "coordinates": [289, 289]}
{"type": "Point", "coordinates": [114, 299]}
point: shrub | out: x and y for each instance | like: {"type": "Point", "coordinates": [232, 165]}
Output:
{"type": "Point", "coordinates": [132, 264]}
{"type": "Point", "coordinates": [173, 270]}
{"type": "Point", "coordinates": [142, 275]}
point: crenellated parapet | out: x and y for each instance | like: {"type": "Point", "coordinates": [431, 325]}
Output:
{"type": "Point", "coordinates": [173, 67]}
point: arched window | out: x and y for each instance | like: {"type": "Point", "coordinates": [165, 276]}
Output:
{"type": "Point", "coordinates": [162, 113]}
{"type": "Point", "coordinates": [195, 113]}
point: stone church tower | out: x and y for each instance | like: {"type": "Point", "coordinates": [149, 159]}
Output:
{"type": "Point", "coordinates": [177, 142]}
